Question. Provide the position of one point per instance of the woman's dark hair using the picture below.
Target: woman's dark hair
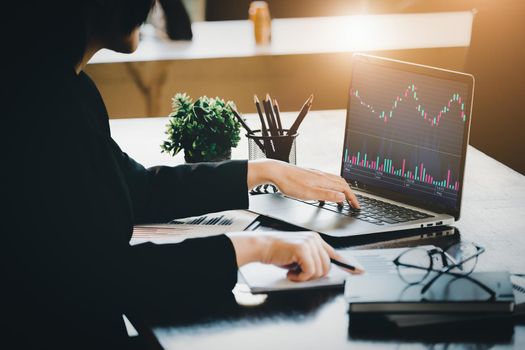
(112, 18)
(116, 15)
(58, 31)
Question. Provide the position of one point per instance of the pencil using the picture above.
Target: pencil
(302, 114)
(278, 116)
(243, 123)
(247, 128)
(264, 130)
(270, 109)
(269, 116)
(268, 146)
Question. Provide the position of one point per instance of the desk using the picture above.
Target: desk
(307, 55)
(307, 36)
(493, 207)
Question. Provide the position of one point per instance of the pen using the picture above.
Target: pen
(297, 268)
(344, 265)
(300, 117)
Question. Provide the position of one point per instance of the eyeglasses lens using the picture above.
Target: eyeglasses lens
(462, 252)
(413, 265)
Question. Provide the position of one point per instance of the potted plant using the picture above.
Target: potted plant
(206, 129)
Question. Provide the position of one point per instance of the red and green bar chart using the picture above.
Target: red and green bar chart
(418, 173)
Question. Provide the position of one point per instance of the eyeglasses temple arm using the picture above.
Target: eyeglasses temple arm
(448, 268)
(473, 280)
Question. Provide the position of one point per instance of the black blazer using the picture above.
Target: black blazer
(73, 197)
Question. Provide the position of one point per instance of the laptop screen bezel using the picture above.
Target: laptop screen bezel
(427, 204)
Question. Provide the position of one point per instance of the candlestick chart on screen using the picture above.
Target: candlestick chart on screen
(405, 132)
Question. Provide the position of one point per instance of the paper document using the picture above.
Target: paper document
(263, 278)
(197, 226)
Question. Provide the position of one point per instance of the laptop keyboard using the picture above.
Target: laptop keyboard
(373, 211)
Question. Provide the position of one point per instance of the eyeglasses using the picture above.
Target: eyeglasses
(458, 260)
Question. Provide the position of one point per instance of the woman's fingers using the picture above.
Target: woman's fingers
(301, 183)
(340, 184)
(324, 194)
(325, 259)
(351, 197)
(306, 263)
(334, 183)
(319, 259)
(333, 193)
(312, 258)
(305, 254)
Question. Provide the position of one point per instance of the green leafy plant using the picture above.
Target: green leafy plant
(205, 129)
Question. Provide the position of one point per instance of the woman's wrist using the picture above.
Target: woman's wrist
(261, 171)
(248, 247)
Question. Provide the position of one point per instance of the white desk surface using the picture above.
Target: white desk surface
(319, 143)
(307, 36)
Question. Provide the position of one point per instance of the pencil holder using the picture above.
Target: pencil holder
(281, 147)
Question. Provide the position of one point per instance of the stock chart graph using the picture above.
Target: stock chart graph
(405, 132)
(411, 92)
(419, 173)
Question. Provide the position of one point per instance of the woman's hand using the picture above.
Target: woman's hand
(300, 183)
(304, 254)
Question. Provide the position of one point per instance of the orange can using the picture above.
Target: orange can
(259, 14)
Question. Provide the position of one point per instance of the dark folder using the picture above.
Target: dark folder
(390, 294)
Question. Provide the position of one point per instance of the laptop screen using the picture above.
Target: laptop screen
(407, 132)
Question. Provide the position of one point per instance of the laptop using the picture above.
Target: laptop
(405, 143)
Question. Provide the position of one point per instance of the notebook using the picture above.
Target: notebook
(388, 293)
(262, 278)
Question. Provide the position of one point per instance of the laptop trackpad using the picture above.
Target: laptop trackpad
(301, 214)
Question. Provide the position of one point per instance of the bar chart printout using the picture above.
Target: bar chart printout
(405, 133)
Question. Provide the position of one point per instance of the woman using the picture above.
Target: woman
(77, 195)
